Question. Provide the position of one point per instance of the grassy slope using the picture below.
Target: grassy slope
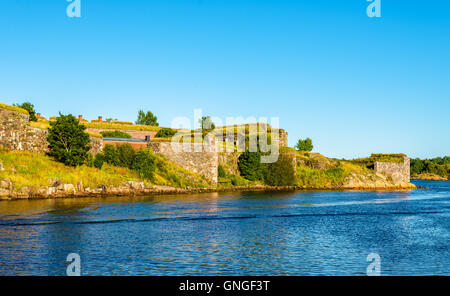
(313, 171)
(13, 108)
(103, 125)
(318, 171)
(35, 170)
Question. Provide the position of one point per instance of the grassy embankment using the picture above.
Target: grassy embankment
(35, 170)
(313, 170)
(13, 108)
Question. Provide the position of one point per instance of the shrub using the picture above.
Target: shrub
(282, 172)
(126, 155)
(110, 155)
(30, 109)
(147, 118)
(115, 134)
(304, 145)
(67, 140)
(144, 163)
(250, 166)
(165, 133)
(221, 171)
(99, 159)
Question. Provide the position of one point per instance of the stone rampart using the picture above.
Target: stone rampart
(399, 172)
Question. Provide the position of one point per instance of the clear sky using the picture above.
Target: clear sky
(353, 84)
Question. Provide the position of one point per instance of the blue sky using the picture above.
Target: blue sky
(353, 84)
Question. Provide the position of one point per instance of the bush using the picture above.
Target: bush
(115, 134)
(165, 133)
(221, 171)
(111, 155)
(125, 155)
(99, 159)
(282, 172)
(250, 166)
(67, 140)
(30, 109)
(144, 163)
(304, 145)
(95, 161)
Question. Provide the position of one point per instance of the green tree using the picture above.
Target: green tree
(282, 172)
(304, 145)
(111, 155)
(144, 163)
(250, 166)
(147, 118)
(126, 154)
(30, 108)
(206, 123)
(68, 142)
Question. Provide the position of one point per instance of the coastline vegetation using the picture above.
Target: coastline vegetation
(435, 168)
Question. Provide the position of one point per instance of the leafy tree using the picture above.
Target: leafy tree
(206, 123)
(68, 142)
(147, 118)
(126, 154)
(282, 172)
(417, 166)
(30, 108)
(304, 145)
(111, 155)
(250, 166)
(99, 159)
(165, 133)
(144, 163)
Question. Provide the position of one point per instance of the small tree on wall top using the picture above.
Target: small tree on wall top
(147, 118)
(68, 142)
(304, 145)
(30, 108)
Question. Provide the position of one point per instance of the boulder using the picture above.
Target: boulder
(80, 187)
(136, 185)
(26, 191)
(4, 193)
(55, 182)
(69, 188)
(5, 183)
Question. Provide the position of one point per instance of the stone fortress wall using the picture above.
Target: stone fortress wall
(17, 134)
(196, 157)
(398, 172)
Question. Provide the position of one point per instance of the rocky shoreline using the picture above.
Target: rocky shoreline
(429, 177)
(134, 188)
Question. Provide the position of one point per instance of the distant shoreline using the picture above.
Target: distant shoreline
(428, 177)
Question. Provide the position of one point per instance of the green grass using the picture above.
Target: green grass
(169, 174)
(105, 125)
(35, 170)
(370, 161)
(13, 108)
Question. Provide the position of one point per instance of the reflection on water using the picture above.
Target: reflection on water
(247, 233)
